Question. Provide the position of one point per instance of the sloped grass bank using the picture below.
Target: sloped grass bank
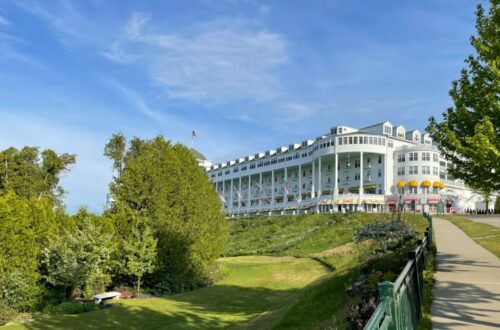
(301, 235)
(255, 293)
(280, 272)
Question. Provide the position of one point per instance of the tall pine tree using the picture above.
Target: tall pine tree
(162, 184)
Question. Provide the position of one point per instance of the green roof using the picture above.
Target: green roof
(197, 154)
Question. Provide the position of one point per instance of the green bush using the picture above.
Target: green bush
(68, 307)
(390, 235)
(7, 314)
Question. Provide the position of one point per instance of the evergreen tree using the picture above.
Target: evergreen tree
(29, 173)
(26, 226)
(162, 184)
(469, 135)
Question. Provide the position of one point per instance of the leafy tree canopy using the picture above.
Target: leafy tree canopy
(469, 135)
(31, 173)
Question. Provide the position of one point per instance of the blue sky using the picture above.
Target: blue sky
(246, 75)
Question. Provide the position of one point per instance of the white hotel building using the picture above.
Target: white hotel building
(367, 169)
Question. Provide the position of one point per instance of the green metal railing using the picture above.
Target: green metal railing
(400, 304)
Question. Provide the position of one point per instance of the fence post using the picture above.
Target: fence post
(413, 256)
(386, 292)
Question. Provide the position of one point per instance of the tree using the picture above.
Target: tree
(140, 253)
(115, 150)
(163, 184)
(497, 204)
(469, 135)
(26, 226)
(29, 173)
(80, 257)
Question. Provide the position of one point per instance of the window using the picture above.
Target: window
(401, 158)
(371, 140)
(345, 140)
(350, 139)
(356, 176)
(365, 140)
(379, 173)
(435, 171)
(356, 163)
(435, 158)
(426, 156)
(380, 159)
(426, 170)
(413, 170)
(355, 140)
(340, 141)
(413, 156)
(401, 170)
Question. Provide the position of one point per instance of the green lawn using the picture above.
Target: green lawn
(280, 272)
(255, 293)
(486, 235)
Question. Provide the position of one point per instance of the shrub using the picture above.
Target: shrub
(7, 314)
(68, 307)
(390, 235)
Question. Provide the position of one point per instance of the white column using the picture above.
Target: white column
(272, 187)
(217, 187)
(336, 176)
(249, 191)
(360, 177)
(239, 191)
(285, 181)
(319, 177)
(260, 189)
(300, 181)
(231, 195)
(312, 180)
(224, 193)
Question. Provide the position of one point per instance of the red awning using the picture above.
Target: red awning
(410, 199)
(433, 200)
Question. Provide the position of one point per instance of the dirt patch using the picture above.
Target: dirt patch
(343, 249)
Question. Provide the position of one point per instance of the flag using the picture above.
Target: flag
(287, 189)
(222, 199)
(193, 134)
(238, 195)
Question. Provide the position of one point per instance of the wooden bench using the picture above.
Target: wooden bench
(98, 298)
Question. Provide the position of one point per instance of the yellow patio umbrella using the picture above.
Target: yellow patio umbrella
(400, 184)
(413, 183)
(426, 183)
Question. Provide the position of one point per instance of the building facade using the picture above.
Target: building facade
(369, 169)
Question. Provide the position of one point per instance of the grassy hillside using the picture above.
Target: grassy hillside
(255, 293)
(301, 235)
(280, 272)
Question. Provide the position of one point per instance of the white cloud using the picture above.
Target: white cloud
(220, 61)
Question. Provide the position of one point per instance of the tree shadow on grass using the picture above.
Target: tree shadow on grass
(212, 307)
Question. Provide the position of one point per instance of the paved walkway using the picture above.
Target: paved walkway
(467, 289)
